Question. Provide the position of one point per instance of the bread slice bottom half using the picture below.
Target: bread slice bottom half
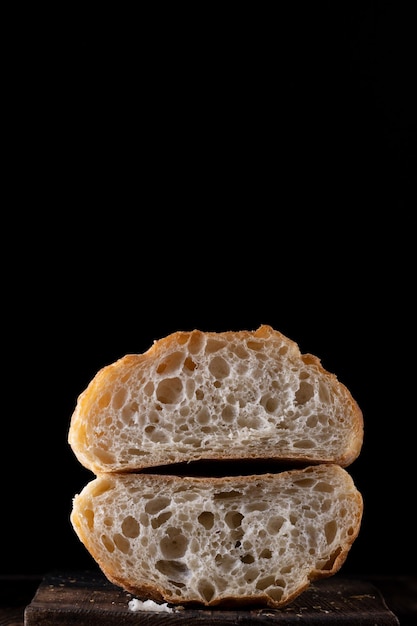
(219, 541)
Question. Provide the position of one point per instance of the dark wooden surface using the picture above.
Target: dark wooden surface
(87, 598)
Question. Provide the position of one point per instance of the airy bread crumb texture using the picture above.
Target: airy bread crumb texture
(204, 395)
(256, 539)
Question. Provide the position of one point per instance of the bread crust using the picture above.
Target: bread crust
(97, 407)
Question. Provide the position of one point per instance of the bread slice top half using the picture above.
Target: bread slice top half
(232, 395)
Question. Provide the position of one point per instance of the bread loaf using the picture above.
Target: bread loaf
(225, 541)
(205, 395)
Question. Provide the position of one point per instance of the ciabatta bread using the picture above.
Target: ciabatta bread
(257, 539)
(205, 395)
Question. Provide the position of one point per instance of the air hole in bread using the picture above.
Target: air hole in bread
(305, 482)
(157, 504)
(171, 364)
(270, 404)
(229, 413)
(275, 593)
(219, 367)
(104, 456)
(304, 393)
(104, 400)
(130, 527)
(192, 441)
(305, 444)
(107, 543)
(330, 530)
(89, 517)
(174, 543)
(189, 391)
(169, 390)
(119, 398)
(256, 506)
(189, 365)
(121, 543)
(239, 351)
(226, 495)
(324, 393)
(233, 519)
(274, 524)
(196, 342)
(189, 496)
(326, 505)
(213, 345)
(148, 389)
(265, 554)
(206, 590)
(206, 519)
(156, 434)
(251, 574)
(175, 570)
(324, 487)
(136, 452)
(324, 419)
(247, 558)
(154, 417)
(330, 563)
(183, 338)
(144, 519)
(225, 562)
(177, 584)
(254, 345)
(265, 582)
(161, 519)
(129, 414)
(312, 421)
(203, 416)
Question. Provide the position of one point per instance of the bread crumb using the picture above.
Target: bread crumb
(148, 605)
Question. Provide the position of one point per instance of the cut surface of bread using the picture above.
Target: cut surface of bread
(256, 539)
(205, 395)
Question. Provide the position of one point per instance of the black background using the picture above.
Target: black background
(176, 171)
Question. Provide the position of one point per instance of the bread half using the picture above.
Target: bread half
(203, 395)
(257, 539)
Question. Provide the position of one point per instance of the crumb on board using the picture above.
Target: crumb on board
(148, 605)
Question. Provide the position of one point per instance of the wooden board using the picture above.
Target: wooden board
(87, 598)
